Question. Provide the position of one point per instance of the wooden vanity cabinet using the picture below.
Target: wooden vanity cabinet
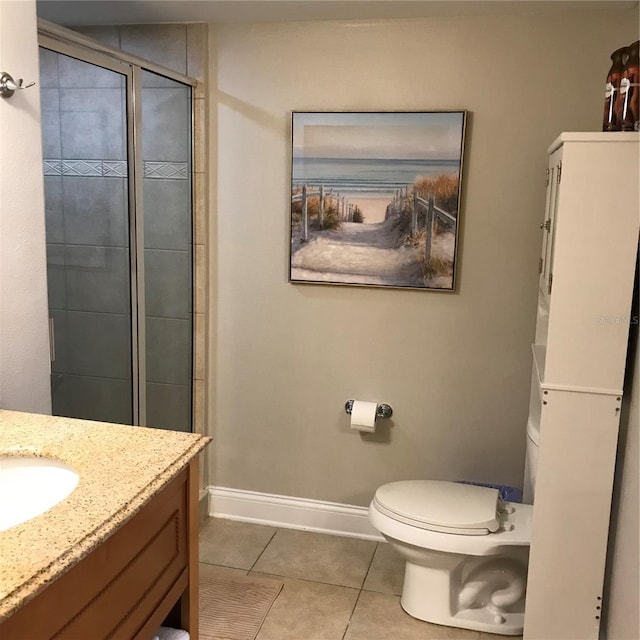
(125, 588)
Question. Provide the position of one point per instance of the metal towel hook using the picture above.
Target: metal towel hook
(8, 86)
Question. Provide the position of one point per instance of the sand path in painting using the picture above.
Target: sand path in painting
(358, 254)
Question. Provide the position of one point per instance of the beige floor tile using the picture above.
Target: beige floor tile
(386, 574)
(318, 557)
(495, 636)
(308, 611)
(233, 544)
(379, 616)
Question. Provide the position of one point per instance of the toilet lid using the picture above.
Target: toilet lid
(443, 506)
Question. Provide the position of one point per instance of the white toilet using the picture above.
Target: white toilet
(466, 550)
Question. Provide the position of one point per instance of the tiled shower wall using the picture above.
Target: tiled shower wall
(168, 255)
(182, 48)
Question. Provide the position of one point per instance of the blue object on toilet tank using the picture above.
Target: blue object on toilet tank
(508, 494)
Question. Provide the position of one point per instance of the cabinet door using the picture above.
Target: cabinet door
(554, 173)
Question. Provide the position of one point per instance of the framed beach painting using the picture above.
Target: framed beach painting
(375, 198)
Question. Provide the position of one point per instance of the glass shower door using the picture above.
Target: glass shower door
(166, 153)
(85, 149)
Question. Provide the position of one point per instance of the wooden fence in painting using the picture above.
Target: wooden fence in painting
(432, 212)
(344, 208)
(403, 199)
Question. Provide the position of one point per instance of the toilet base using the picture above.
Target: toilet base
(428, 595)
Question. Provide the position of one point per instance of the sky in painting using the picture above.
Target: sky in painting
(414, 135)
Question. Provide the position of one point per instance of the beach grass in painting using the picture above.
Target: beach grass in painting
(375, 198)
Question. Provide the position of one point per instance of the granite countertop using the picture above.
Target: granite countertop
(120, 467)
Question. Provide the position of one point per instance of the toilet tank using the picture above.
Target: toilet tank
(531, 461)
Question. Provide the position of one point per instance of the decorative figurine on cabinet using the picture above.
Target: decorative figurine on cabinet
(629, 86)
(612, 89)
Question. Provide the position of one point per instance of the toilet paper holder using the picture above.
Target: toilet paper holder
(383, 410)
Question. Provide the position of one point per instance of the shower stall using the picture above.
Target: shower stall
(117, 148)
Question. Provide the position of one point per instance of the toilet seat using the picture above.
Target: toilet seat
(445, 507)
(518, 534)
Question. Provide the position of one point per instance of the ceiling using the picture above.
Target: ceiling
(84, 12)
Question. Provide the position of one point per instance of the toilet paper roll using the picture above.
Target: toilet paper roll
(363, 416)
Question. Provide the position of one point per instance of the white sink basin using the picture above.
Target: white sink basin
(30, 486)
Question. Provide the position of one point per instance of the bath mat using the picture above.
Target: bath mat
(234, 608)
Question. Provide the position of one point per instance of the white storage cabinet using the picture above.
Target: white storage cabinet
(590, 241)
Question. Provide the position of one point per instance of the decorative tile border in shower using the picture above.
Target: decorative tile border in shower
(166, 170)
(114, 169)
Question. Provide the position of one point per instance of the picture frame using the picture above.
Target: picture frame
(375, 198)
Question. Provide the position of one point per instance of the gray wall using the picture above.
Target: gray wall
(455, 367)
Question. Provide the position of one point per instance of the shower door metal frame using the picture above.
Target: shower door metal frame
(57, 33)
(75, 45)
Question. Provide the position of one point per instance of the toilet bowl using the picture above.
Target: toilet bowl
(466, 552)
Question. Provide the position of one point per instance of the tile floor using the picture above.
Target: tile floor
(335, 588)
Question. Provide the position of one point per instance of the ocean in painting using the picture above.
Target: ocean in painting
(366, 177)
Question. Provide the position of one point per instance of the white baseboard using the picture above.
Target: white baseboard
(291, 513)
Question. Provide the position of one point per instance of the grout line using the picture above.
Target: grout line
(281, 588)
(186, 53)
(355, 604)
(285, 577)
(369, 567)
(95, 377)
(263, 550)
(222, 566)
